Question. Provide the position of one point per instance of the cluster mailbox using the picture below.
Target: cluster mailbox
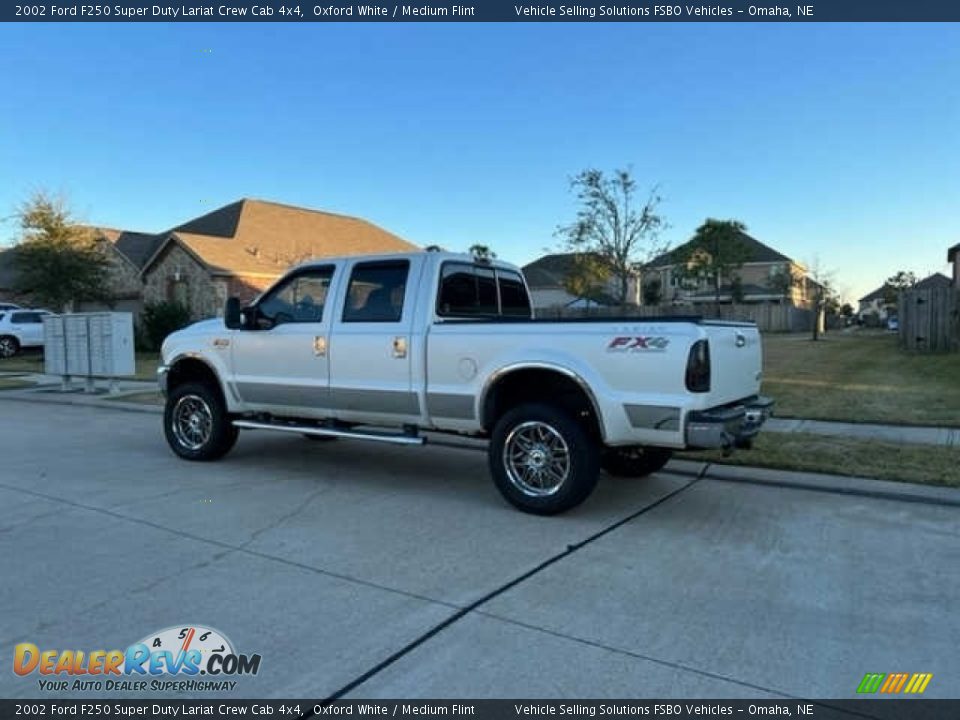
(89, 345)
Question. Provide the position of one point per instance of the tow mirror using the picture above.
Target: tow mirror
(231, 313)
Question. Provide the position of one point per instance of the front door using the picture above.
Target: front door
(279, 356)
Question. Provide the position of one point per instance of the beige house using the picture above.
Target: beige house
(760, 278)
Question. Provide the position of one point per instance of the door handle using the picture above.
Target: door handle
(399, 347)
(320, 346)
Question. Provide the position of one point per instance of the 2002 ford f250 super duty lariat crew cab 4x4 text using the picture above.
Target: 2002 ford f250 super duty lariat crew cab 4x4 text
(385, 347)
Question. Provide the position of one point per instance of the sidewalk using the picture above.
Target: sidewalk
(48, 390)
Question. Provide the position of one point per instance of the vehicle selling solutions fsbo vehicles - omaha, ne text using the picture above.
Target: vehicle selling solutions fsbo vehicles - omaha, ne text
(384, 347)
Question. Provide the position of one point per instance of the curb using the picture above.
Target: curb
(816, 482)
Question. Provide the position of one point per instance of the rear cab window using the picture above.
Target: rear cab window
(481, 291)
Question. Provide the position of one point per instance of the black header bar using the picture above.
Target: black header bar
(487, 11)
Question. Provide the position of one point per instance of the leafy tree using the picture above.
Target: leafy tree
(481, 252)
(715, 252)
(846, 310)
(57, 261)
(588, 276)
(609, 224)
(896, 284)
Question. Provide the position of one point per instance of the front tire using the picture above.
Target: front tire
(196, 423)
(543, 461)
(9, 346)
(634, 462)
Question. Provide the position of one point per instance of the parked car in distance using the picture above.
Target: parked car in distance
(893, 324)
(20, 329)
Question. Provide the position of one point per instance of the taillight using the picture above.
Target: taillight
(698, 367)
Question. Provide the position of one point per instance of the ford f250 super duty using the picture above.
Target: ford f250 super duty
(384, 348)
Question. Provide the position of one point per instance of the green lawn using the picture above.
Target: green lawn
(925, 464)
(31, 361)
(860, 376)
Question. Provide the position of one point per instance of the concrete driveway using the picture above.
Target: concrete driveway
(374, 571)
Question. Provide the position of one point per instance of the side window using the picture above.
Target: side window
(513, 295)
(467, 290)
(300, 299)
(25, 317)
(376, 291)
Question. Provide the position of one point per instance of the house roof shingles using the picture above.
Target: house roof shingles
(756, 252)
(259, 237)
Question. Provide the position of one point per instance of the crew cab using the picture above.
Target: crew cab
(385, 348)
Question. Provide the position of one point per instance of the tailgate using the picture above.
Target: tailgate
(736, 361)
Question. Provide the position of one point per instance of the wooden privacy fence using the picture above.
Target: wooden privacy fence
(768, 317)
(930, 320)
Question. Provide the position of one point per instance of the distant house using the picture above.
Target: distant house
(883, 301)
(548, 279)
(876, 303)
(758, 278)
(937, 281)
(238, 249)
(953, 256)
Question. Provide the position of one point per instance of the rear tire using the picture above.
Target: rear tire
(636, 461)
(9, 346)
(196, 423)
(543, 461)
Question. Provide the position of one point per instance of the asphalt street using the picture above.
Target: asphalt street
(364, 570)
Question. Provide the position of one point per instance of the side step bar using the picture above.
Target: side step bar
(396, 439)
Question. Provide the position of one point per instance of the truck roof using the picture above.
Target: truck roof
(440, 254)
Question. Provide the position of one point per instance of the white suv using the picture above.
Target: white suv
(19, 329)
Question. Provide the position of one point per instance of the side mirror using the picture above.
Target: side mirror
(231, 313)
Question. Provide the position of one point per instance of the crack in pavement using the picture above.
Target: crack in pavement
(464, 611)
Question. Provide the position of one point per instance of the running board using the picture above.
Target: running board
(396, 439)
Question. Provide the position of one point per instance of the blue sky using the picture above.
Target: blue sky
(829, 141)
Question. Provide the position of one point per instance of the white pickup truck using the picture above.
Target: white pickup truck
(383, 348)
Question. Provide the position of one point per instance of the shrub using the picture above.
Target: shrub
(160, 319)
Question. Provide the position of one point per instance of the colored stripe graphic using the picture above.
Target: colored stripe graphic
(918, 683)
(894, 683)
(871, 682)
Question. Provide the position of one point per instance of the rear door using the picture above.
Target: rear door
(372, 343)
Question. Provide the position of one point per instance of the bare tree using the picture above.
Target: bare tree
(824, 294)
(609, 224)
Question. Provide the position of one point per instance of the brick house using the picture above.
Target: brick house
(243, 247)
(238, 249)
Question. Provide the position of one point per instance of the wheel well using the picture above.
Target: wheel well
(540, 385)
(191, 370)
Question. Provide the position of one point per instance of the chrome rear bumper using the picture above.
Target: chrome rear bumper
(730, 426)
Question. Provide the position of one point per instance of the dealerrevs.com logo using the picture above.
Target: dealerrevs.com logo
(185, 653)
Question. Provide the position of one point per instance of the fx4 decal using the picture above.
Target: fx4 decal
(638, 344)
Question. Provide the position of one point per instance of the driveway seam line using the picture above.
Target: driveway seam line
(466, 610)
(229, 547)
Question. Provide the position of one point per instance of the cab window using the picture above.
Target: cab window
(377, 291)
(299, 299)
(467, 290)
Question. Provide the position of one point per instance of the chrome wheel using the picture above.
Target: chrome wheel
(536, 458)
(192, 422)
